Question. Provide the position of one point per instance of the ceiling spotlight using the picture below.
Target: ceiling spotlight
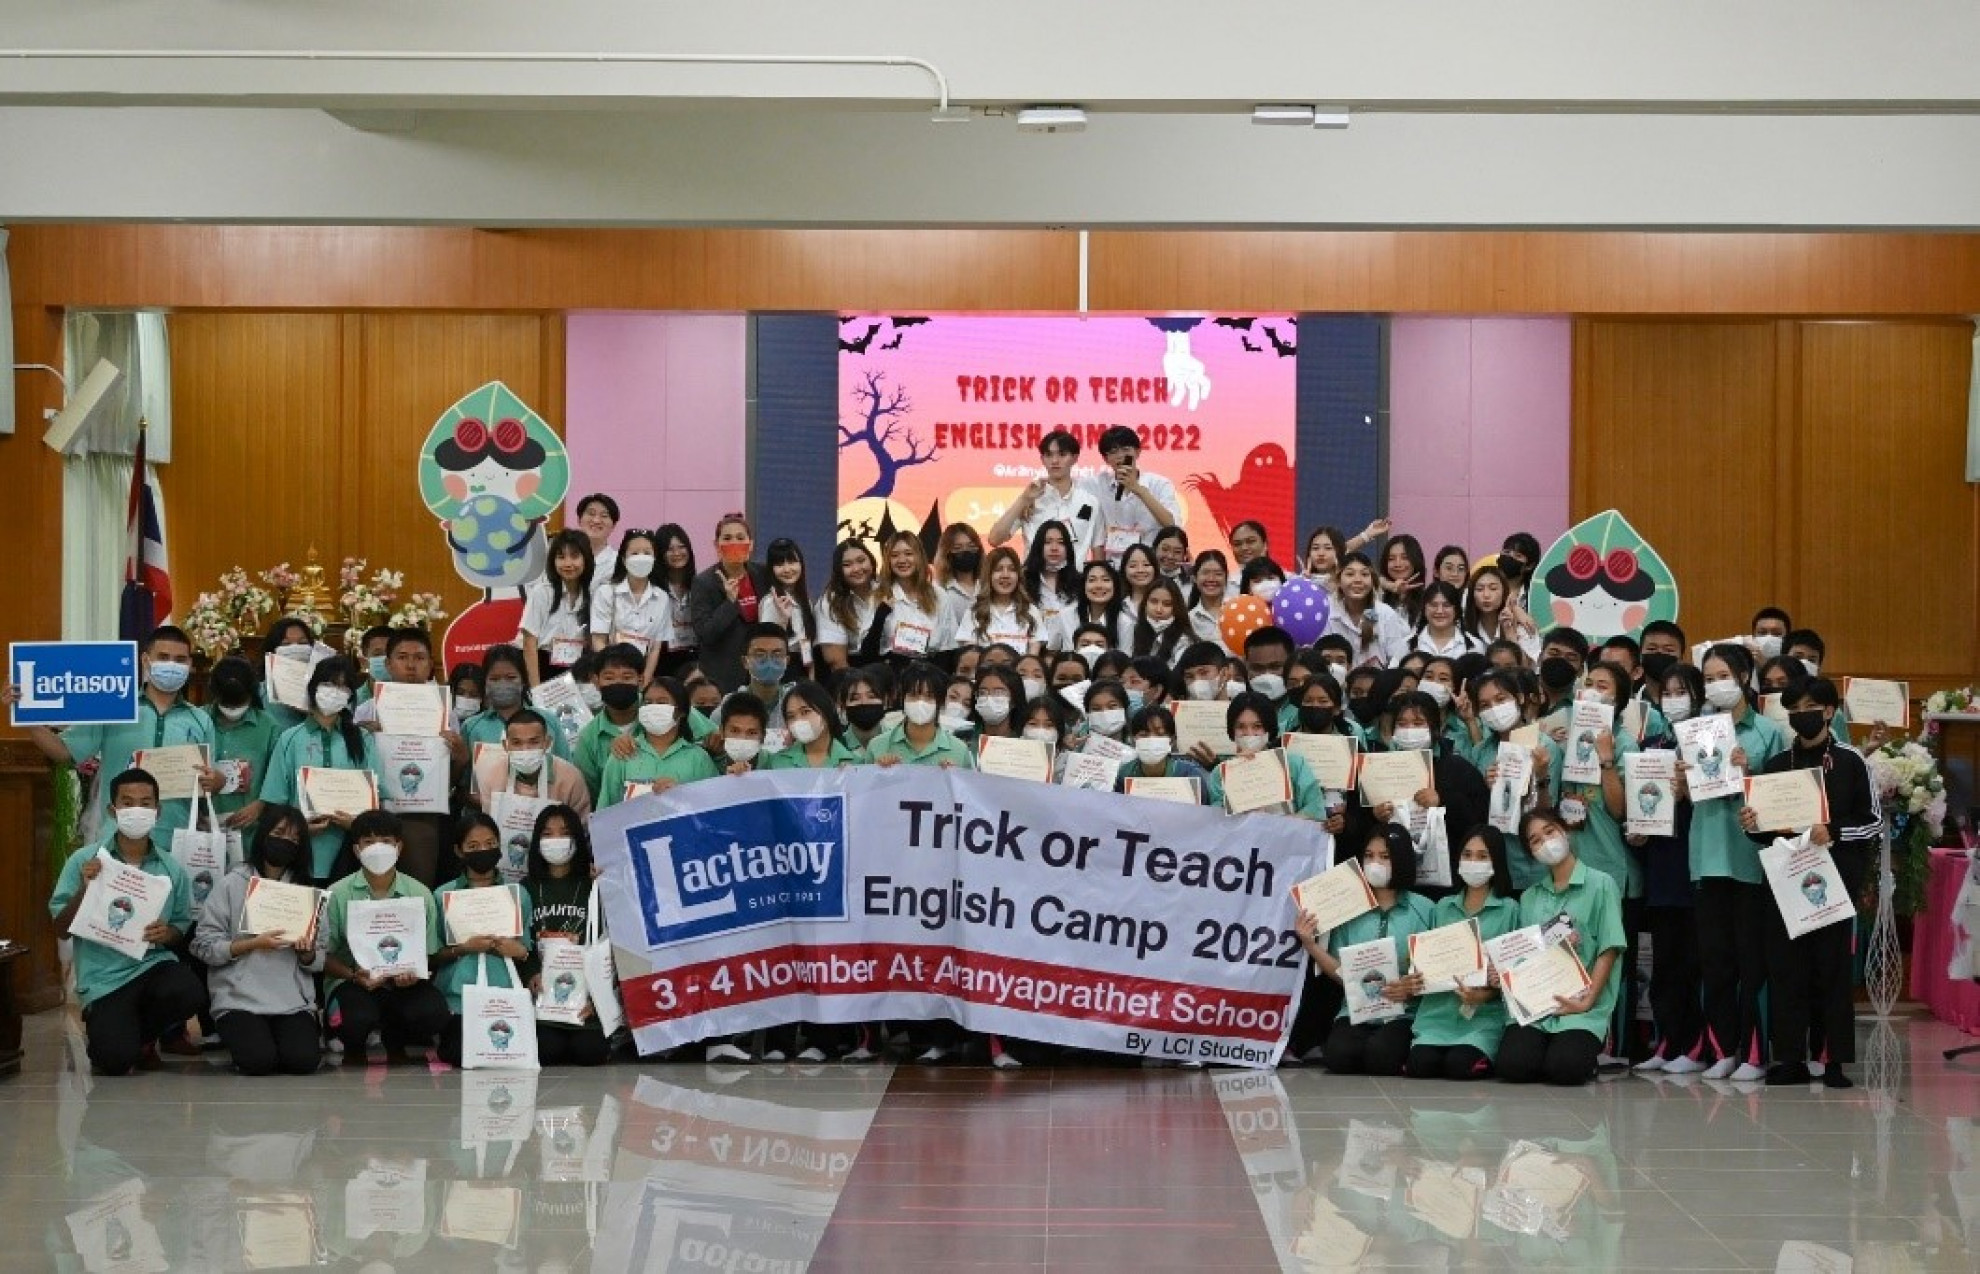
(1051, 119)
(1299, 116)
(1330, 117)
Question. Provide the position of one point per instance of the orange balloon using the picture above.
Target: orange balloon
(1242, 617)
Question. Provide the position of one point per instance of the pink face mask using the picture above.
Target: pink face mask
(734, 551)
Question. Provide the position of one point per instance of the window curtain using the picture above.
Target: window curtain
(7, 421)
(96, 478)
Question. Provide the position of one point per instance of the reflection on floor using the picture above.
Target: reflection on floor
(675, 1167)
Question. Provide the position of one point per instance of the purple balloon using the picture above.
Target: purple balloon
(1301, 608)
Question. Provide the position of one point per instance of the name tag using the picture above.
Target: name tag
(1010, 637)
(912, 639)
(1121, 539)
(632, 639)
(565, 651)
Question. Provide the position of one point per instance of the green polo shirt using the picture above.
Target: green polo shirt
(683, 762)
(594, 749)
(1410, 913)
(943, 747)
(115, 745)
(99, 969)
(451, 976)
(1308, 800)
(1593, 901)
(1599, 841)
(1719, 845)
(251, 740)
(794, 758)
(491, 727)
(1440, 1019)
(311, 745)
(337, 902)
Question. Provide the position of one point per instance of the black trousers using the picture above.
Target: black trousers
(1811, 991)
(572, 1046)
(262, 1044)
(120, 1024)
(403, 1015)
(1732, 960)
(1674, 979)
(1319, 1005)
(1457, 1061)
(1529, 1055)
(1373, 1048)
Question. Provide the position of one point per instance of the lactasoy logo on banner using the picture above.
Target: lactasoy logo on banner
(740, 867)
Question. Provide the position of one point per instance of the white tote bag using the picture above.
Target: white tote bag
(563, 997)
(203, 853)
(498, 1024)
(601, 979)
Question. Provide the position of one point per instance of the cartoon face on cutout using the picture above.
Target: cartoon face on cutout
(1815, 889)
(490, 443)
(1603, 579)
(500, 1033)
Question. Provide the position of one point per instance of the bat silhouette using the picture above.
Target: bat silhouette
(859, 344)
(1246, 342)
(911, 321)
(1242, 324)
(893, 344)
(1286, 348)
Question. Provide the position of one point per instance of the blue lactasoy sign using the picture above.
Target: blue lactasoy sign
(74, 682)
(740, 867)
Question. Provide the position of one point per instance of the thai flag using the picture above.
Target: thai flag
(147, 596)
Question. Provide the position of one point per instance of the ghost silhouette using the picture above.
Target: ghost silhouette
(1262, 492)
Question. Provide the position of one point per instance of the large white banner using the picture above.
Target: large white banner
(1020, 909)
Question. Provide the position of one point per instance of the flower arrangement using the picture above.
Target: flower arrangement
(422, 610)
(367, 600)
(217, 621)
(1951, 702)
(281, 578)
(1913, 794)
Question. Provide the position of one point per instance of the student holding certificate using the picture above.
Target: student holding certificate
(1154, 754)
(1318, 705)
(1388, 864)
(262, 977)
(562, 893)
(244, 734)
(128, 1002)
(409, 662)
(1734, 907)
(661, 751)
(478, 846)
(526, 765)
(1454, 784)
(327, 739)
(405, 1008)
(1253, 723)
(1446, 1042)
(1670, 911)
(1811, 1013)
(1562, 1047)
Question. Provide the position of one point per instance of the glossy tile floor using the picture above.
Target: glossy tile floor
(686, 1167)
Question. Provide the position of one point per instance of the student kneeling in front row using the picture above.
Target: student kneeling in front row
(406, 1009)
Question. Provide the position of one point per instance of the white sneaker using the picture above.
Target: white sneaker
(1610, 1062)
(932, 1054)
(1721, 1068)
(813, 1054)
(1005, 1062)
(725, 1053)
(860, 1054)
(773, 1054)
(1683, 1066)
(1817, 1069)
(1747, 1072)
(1654, 1062)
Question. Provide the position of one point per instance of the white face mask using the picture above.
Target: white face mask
(1107, 721)
(1677, 707)
(233, 714)
(743, 750)
(1552, 851)
(1378, 875)
(556, 850)
(1473, 872)
(1232, 689)
(526, 760)
(656, 718)
(919, 711)
(593, 698)
(1593, 695)
(466, 705)
(1440, 694)
(1160, 625)
(1339, 671)
(379, 857)
(1814, 668)
(136, 821)
(1153, 750)
(1412, 737)
(1501, 716)
(1269, 684)
(1203, 688)
(298, 651)
(1041, 734)
(994, 709)
(1265, 589)
(1723, 694)
(1249, 743)
(1770, 645)
(1034, 688)
(331, 700)
(806, 729)
(639, 565)
(1090, 653)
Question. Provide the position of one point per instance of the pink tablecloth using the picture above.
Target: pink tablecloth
(1957, 1003)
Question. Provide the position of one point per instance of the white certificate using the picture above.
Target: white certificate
(416, 709)
(1508, 949)
(176, 768)
(1808, 890)
(387, 936)
(278, 1229)
(560, 700)
(1580, 762)
(1707, 745)
(481, 1212)
(1878, 702)
(1532, 985)
(326, 791)
(1027, 759)
(1258, 782)
(1511, 781)
(273, 906)
(1525, 736)
(119, 905)
(491, 912)
(1202, 721)
(1367, 967)
(1393, 778)
(1793, 801)
(1091, 771)
(287, 680)
(1180, 791)
(418, 772)
(1112, 749)
(1331, 757)
(1447, 955)
(1335, 896)
(386, 1198)
(1650, 793)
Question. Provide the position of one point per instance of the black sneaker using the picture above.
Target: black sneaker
(1833, 1077)
(1784, 1073)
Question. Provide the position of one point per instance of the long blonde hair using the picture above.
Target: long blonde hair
(1020, 599)
(918, 588)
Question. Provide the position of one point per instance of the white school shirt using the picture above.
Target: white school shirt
(1461, 643)
(1128, 520)
(1391, 629)
(603, 563)
(912, 632)
(551, 628)
(957, 602)
(682, 620)
(1004, 626)
(832, 633)
(1208, 627)
(1530, 643)
(648, 618)
(1078, 511)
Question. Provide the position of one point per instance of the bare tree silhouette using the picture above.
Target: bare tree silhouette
(884, 410)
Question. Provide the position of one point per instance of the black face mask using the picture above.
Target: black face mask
(966, 561)
(1365, 709)
(482, 861)
(1807, 724)
(280, 852)
(619, 696)
(1658, 666)
(1556, 673)
(1316, 720)
(864, 716)
(1512, 568)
